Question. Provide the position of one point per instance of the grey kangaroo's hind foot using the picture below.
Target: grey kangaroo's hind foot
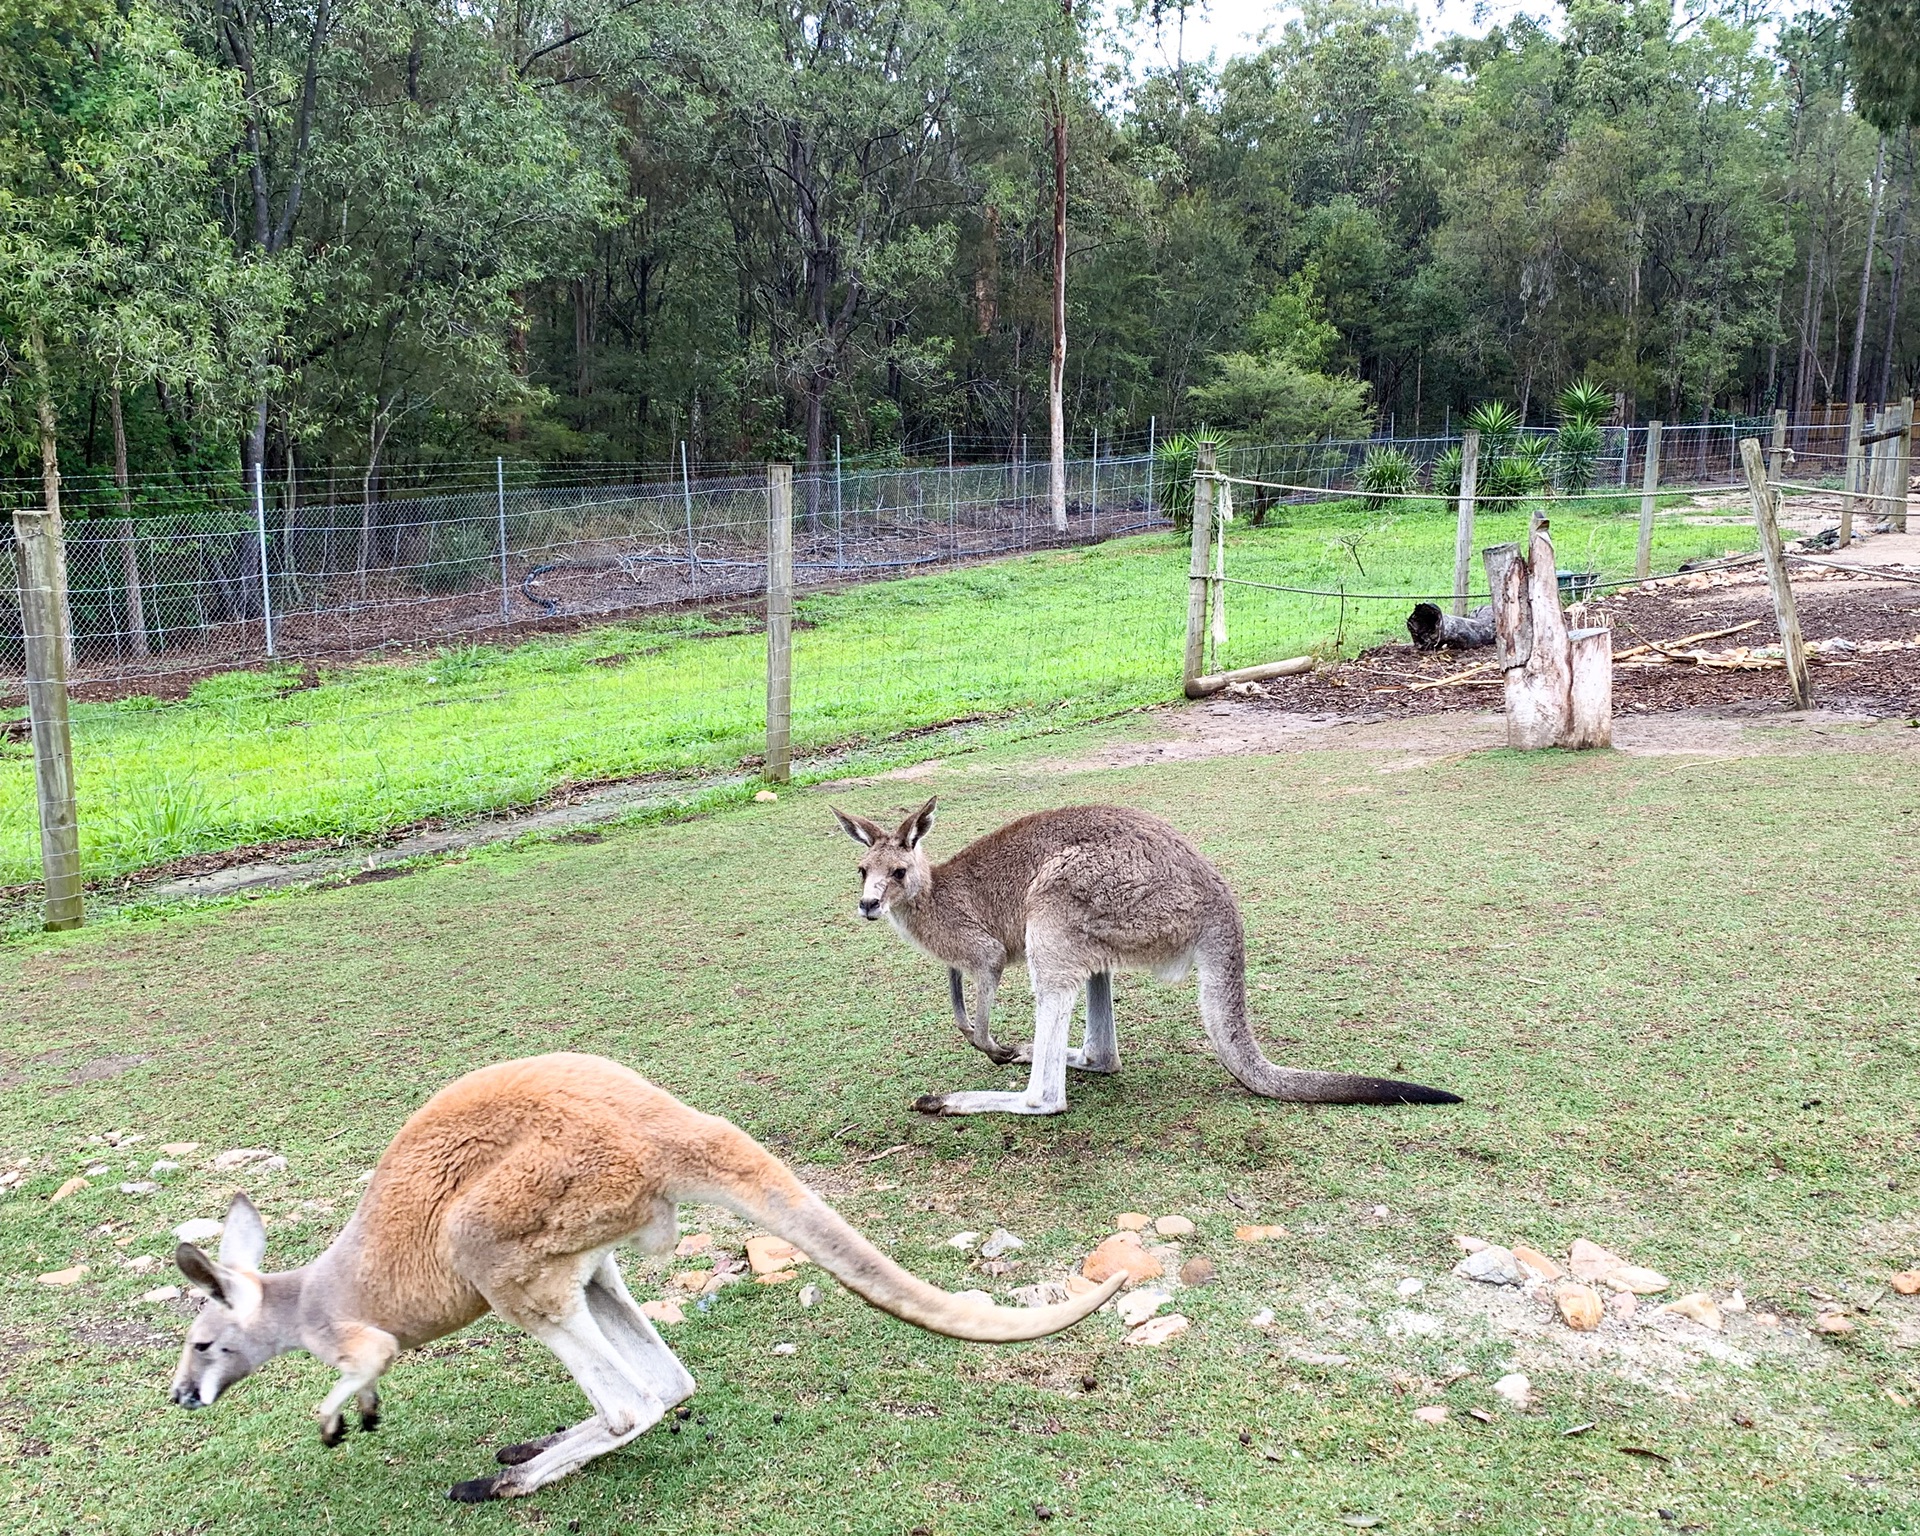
(1100, 1050)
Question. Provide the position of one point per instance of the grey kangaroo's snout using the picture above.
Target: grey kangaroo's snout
(186, 1395)
(869, 908)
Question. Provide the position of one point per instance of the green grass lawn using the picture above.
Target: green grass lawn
(279, 752)
(1677, 994)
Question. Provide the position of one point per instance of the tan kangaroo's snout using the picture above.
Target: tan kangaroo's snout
(235, 1333)
(895, 867)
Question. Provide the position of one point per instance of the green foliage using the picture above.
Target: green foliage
(1576, 452)
(1174, 460)
(1584, 403)
(1387, 472)
(1883, 43)
(1270, 399)
(1496, 422)
(1448, 467)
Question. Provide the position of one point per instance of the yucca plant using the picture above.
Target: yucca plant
(1584, 403)
(1495, 421)
(1387, 472)
(1174, 462)
(1447, 469)
(1519, 472)
(1583, 406)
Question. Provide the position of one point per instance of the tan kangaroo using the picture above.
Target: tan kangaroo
(508, 1191)
(1080, 893)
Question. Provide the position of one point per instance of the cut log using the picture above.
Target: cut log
(1430, 629)
(1591, 688)
(1213, 682)
(1531, 634)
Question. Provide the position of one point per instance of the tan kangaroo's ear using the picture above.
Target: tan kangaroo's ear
(857, 827)
(918, 825)
(201, 1270)
(243, 1243)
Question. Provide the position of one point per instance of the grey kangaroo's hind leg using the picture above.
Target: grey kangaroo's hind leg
(977, 1026)
(1100, 1050)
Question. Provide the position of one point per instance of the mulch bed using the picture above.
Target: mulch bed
(1851, 605)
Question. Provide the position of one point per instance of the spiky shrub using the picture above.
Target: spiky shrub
(1387, 472)
(1495, 421)
(1173, 466)
(1519, 472)
(1584, 403)
(1448, 466)
(1576, 453)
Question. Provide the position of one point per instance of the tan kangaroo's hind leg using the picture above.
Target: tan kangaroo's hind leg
(623, 1407)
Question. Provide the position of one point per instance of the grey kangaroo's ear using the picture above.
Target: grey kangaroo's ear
(243, 1243)
(917, 826)
(201, 1270)
(857, 827)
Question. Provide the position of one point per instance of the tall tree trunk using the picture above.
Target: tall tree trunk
(1893, 285)
(129, 548)
(50, 469)
(1866, 273)
(1057, 371)
(816, 411)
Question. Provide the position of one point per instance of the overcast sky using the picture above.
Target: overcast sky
(1233, 26)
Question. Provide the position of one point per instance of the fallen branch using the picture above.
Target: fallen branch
(1664, 646)
(1213, 682)
(1455, 677)
(874, 1157)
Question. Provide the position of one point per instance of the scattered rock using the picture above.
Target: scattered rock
(1379, 1213)
(1735, 1302)
(785, 1349)
(1258, 1234)
(1173, 1226)
(1363, 1522)
(181, 1148)
(98, 1170)
(1409, 1287)
(1490, 1265)
(1433, 1413)
(691, 1244)
(1158, 1330)
(1078, 1284)
(139, 1187)
(1131, 1221)
(765, 796)
(1699, 1308)
(164, 1165)
(778, 1277)
(11, 1180)
(1536, 1264)
(720, 1279)
(1469, 1244)
(690, 1279)
(1514, 1388)
(146, 1264)
(200, 1230)
(64, 1276)
(1412, 1325)
(1905, 1283)
(663, 1311)
(73, 1186)
(1833, 1324)
(769, 1255)
(1317, 1357)
(1261, 1319)
(1121, 1254)
(161, 1293)
(966, 1242)
(1045, 1293)
(1642, 1282)
(981, 1298)
(1590, 1262)
(260, 1159)
(1579, 1306)
(1135, 1307)
(1197, 1271)
(809, 1295)
(999, 1243)
(1621, 1306)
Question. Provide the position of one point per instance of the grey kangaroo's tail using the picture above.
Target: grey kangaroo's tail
(1221, 962)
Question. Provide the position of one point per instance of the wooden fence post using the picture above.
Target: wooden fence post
(41, 553)
(1649, 483)
(1856, 427)
(779, 622)
(1195, 662)
(1903, 468)
(1463, 529)
(1777, 448)
(1786, 619)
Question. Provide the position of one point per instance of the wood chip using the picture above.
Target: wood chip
(1258, 1234)
(64, 1276)
(663, 1311)
(768, 1254)
(73, 1186)
(1906, 1282)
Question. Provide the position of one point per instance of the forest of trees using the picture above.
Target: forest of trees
(402, 232)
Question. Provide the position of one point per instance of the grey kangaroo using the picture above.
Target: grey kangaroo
(1080, 893)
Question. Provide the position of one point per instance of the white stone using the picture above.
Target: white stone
(1410, 1287)
(201, 1229)
(161, 1293)
(164, 1165)
(1514, 1388)
(245, 1157)
(1135, 1307)
(1413, 1325)
(1261, 1319)
(966, 1242)
(809, 1295)
(139, 1187)
(785, 1349)
(1492, 1265)
(1000, 1241)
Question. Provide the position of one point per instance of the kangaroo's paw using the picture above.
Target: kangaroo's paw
(477, 1490)
(333, 1430)
(1021, 1052)
(526, 1450)
(369, 1406)
(984, 1104)
(1080, 1061)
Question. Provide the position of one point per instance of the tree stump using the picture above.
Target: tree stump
(1530, 633)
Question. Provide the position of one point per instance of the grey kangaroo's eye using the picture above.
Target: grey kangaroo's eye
(899, 874)
(204, 1345)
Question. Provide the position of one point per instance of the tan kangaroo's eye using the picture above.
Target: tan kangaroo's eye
(899, 874)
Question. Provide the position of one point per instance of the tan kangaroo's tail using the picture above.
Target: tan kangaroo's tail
(772, 1196)
(1221, 961)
